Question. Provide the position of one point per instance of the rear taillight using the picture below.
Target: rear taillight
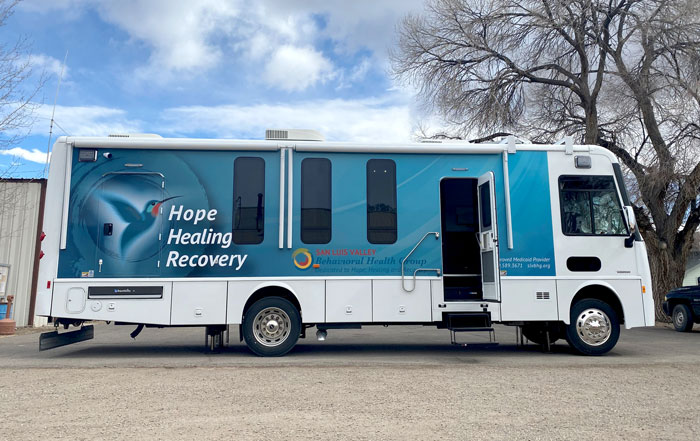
(41, 239)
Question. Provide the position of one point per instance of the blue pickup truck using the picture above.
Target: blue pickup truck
(683, 305)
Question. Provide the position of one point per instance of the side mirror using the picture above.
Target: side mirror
(632, 222)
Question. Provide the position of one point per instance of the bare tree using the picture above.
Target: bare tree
(18, 89)
(624, 74)
(17, 92)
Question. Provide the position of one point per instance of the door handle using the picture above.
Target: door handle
(107, 229)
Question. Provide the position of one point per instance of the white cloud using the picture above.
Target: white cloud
(359, 72)
(178, 31)
(47, 64)
(192, 36)
(366, 120)
(85, 121)
(32, 155)
(296, 68)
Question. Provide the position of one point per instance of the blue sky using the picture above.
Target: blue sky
(214, 69)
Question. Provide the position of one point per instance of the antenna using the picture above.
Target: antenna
(53, 112)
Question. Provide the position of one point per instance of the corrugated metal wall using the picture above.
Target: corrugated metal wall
(19, 215)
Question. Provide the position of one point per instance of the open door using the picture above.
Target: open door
(488, 238)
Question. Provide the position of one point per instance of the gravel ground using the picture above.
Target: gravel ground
(365, 386)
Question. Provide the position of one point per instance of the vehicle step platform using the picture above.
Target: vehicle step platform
(492, 336)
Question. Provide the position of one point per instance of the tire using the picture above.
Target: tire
(271, 327)
(594, 327)
(537, 333)
(682, 318)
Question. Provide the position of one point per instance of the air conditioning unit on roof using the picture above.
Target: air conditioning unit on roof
(293, 135)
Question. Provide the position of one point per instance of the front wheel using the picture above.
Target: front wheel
(594, 327)
(271, 327)
(682, 318)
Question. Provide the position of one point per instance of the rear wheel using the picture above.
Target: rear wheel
(682, 318)
(594, 327)
(271, 327)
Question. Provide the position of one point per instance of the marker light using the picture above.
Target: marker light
(43, 235)
(644, 289)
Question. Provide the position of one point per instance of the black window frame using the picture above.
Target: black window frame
(590, 191)
(395, 203)
(233, 213)
(329, 185)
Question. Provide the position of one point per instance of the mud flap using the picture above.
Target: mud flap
(50, 340)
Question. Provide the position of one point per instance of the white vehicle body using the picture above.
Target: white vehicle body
(358, 264)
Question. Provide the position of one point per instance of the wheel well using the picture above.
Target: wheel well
(272, 291)
(674, 302)
(603, 294)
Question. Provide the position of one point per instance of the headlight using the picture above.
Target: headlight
(665, 298)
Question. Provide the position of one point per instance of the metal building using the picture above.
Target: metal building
(21, 215)
(692, 268)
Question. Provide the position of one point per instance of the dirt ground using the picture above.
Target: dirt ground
(396, 383)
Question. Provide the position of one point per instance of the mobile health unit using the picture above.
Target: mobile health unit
(283, 234)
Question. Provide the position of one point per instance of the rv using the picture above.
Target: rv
(279, 235)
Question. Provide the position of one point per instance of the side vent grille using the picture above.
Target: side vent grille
(542, 295)
(276, 134)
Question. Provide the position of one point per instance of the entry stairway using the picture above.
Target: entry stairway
(471, 322)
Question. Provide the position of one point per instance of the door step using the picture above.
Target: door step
(471, 322)
(492, 337)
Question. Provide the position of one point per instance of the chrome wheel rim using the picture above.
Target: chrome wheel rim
(271, 327)
(593, 327)
(679, 319)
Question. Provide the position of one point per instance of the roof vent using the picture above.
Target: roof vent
(293, 135)
(134, 135)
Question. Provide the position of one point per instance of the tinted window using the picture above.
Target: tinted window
(381, 201)
(589, 264)
(485, 200)
(248, 200)
(590, 206)
(315, 200)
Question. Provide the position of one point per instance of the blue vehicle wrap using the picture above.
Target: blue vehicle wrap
(168, 213)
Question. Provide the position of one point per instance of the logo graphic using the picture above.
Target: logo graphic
(302, 258)
(137, 221)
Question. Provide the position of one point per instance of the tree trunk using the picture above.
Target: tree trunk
(591, 135)
(667, 271)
